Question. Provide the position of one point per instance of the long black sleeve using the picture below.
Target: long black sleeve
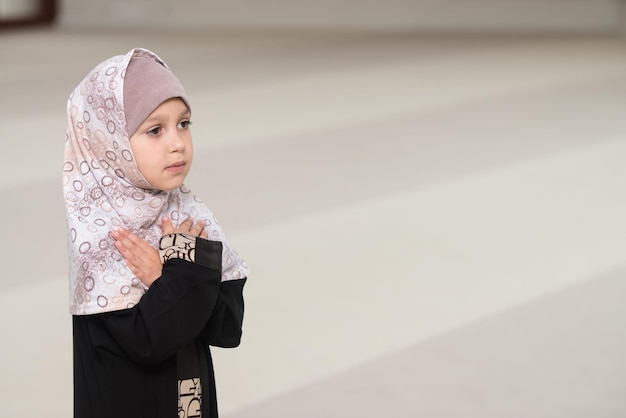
(223, 329)
(172, 313)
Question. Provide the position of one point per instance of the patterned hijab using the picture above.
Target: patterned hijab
(104, 191)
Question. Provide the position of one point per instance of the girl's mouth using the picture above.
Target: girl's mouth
(176, 168)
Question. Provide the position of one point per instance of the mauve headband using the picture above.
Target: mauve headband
(147, 84)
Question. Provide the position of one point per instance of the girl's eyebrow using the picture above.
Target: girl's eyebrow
(153, 118)
(159, 118)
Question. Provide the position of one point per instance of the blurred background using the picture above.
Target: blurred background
(430, 195)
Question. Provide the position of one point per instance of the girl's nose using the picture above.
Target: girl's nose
(176, 142)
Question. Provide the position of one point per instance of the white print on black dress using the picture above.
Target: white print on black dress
(189, 398)
(181, 246)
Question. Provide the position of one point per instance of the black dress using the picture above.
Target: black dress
(147, 361)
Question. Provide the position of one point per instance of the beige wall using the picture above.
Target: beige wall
(12, 9)
(544, 15)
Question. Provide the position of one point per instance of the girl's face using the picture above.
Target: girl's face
(162, 145)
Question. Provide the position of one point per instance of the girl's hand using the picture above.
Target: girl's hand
(187, 227)
(142, 260)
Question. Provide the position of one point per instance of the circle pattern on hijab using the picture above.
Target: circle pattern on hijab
(104, 190)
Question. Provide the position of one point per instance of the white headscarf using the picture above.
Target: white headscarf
(104, 191)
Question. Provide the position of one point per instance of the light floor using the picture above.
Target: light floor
(435, 224)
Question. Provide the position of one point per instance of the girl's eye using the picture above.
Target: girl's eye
(184, 124)
(155, 131)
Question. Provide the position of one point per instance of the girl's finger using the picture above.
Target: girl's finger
(186, 225)
(197, 228)
(166, 225)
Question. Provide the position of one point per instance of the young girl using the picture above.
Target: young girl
(153, 282)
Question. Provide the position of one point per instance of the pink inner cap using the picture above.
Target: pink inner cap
(147, 84)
